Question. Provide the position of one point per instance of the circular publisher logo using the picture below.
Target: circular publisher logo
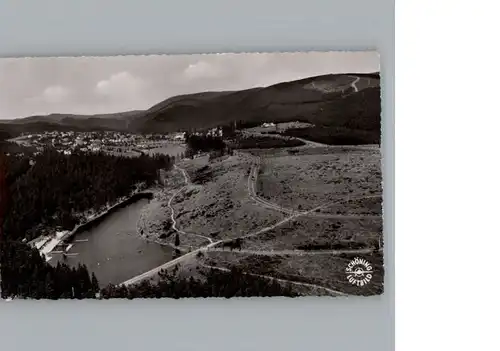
(359, 271)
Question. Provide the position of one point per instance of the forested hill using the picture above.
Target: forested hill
(68, 122)
(52, 190)
(317, 100)
(328, 100)
(56, 188)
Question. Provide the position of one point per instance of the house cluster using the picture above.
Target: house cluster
(181, 136)
(268, 125)
(69, 142)
(214, 132)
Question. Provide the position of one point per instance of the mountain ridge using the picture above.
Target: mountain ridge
(309, 99)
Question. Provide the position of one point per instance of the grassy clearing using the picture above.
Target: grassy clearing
(191, 165)
(371, 206)
(155, 220)
(318, 233)
(328, 86)
(168, 149)
(219, 206)
(322, 270)
(330, 271)
(305, 180)
(121, 151)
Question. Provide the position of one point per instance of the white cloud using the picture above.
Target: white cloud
(55, 94)
(120, 85)
(201, 69)
(90, 85)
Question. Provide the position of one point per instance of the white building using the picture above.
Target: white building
(180, 136)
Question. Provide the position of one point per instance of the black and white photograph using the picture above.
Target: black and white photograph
(191, 176)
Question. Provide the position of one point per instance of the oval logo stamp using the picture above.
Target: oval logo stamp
(359, 271)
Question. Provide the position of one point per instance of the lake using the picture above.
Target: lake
(113, 250)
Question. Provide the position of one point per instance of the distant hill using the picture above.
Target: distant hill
(112, 121)
(302, 99)
(329, 100)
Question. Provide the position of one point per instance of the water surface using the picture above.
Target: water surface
(113, 250)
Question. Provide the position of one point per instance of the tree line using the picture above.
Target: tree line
(215, 145)
(203, 143)
(56, 189)
(265, 142)
(50, 191)
(354, 119)
(217, 283)
(25, 274)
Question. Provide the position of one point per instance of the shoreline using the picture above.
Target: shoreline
(45, 245)
(153, 215)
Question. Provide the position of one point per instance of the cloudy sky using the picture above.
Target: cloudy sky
(91, 85)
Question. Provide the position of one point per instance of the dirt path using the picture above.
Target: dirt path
(251, 188)
(167, 265)
(295, 252)
(287, 219)
(314, 286)
(353, 84)
(184, 173)
(182, 258)
(309, 143)
(172, 211)
(251, 184)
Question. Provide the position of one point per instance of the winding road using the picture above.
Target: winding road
(167, 265)
(251, 187)
(182, 258)
(252, 178)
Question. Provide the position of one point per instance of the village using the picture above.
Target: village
(69, 142)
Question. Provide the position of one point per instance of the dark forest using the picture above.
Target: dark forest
(53, 190)
(50, 191)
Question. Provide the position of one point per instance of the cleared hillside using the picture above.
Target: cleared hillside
(318, 100)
